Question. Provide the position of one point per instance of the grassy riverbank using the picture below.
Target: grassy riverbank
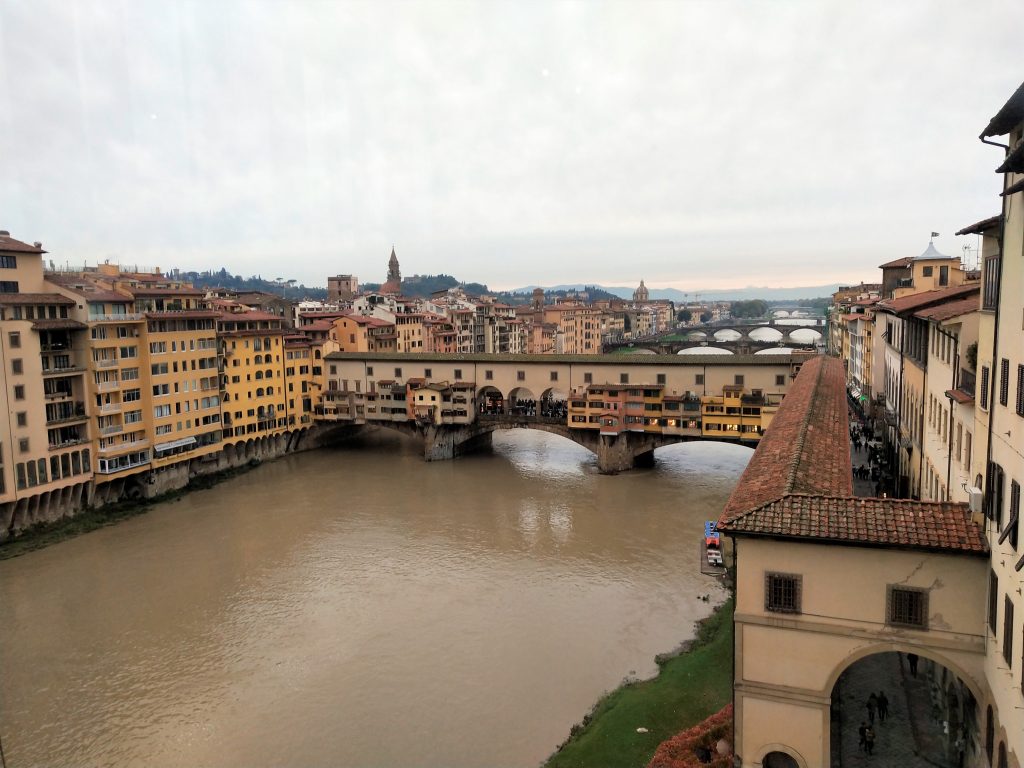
(689, 687)
(45, 534)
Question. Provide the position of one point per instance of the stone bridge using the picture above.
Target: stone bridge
(477, 394)
(615, 453)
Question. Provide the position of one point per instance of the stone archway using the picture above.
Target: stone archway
(522, 401)
(780, 759)
(490, 400)
(904, 706)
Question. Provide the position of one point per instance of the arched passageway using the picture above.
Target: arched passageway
(779, 759)
(490, 401)
(899, 708)
(522, 401)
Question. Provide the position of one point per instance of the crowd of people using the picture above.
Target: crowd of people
(546, 408)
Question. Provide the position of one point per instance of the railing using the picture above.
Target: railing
(64, 370)
(67, 444)
(967, 382)
(515, 418)
(110, 362)
(111, 408)
(57, 395)
(113, 429)
(130, 316)
(107, 386)
(133, 445)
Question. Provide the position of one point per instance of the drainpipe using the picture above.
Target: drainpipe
(995, 329)
(955, 383)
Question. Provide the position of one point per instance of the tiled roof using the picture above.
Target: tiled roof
(616, 360)
(960, 396)
(1007, 118)
(950, 310)
(798, 484)
(1019, 186)
(58, 324)
(906, 261)
(917, 301)
(904, 523)
(195, 314)
(10, 245)
(143, 292)
(35, 298)
(806, 448)
(984, 225)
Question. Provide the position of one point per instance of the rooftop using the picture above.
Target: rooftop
(951, 309)
(9, 245)
(906, 261)
(980, 227)
(1007, 118)
(917, 301)
(798, 486)
(617, 360)
(35, 298)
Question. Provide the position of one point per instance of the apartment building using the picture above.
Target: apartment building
(252, 379)
(46, 453)
(1001, 396)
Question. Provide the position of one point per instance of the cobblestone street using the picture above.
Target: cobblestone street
(909, 736)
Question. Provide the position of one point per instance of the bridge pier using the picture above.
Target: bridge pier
(444, 442)
(623, 452)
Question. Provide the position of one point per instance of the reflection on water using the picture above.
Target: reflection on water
(359, 606)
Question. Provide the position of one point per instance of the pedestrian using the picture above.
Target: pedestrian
(883, 707)
(869, 740)
(912, 660)
(959, 747)
(862, 731)
(872, 705)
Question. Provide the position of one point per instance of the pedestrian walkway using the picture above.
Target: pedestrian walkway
(909, 737)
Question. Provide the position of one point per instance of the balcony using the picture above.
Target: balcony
(967, 382)
(122, 318)
(108, 386)
(113, 429)
(66, 414)
(67, 444)
(62, 371)
(61, 395)
(110, 408)
(134, 445)
(109, 362)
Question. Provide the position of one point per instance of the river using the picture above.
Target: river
(357, 606)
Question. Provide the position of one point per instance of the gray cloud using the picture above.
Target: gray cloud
(693, 143)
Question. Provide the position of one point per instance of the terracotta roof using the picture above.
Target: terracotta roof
(1013, 188)
(248, 315)
(35, 298)
(903, 523)
(196, 314)
(979, 227)
(906, 261)
(959, 396)
(917, 301)
(10, 245)
(1007, 118)
(143, 292)
(951, 309)
(1014, 162)
(806, 448)
(319, 325)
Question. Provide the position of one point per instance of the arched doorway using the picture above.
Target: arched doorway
(902, 706)
(490, 401)
(779, 760)
(554, 404)
(522, 402)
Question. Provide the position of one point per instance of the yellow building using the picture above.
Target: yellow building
(252, 378)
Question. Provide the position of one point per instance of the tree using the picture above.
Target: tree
(684, 316)
(705, 317)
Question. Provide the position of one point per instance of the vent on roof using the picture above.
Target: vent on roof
(5, 232)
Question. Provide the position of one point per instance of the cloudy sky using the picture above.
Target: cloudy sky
(692, 144)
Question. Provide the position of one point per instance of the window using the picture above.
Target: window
(699, 379)
(489, 375)
(907, 606)
(22, 418)
(993, 597)
(782, 592)
(1008, 630)
(1020, 389)
(520, 375)
(428, 373)
(1004, 381)
(623, 378)
(19, 391)
(8, 262)
(23, 445)
(554, 375)
(994, 493)
(161, 411)
(588, 378)
(926, 271)
(943, 275)
(661, 378)
(1010, 531)
(984, 387)
(14, 339)
(739, 380)
(9, 286)
(398, 373)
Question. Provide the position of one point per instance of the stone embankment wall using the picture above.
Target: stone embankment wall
(17, 516)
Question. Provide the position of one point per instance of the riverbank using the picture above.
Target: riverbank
(690, 686)
(44, 534)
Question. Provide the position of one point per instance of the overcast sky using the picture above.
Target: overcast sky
(691, 144)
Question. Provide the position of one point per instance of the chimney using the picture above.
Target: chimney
(5, 232)
(38, 245)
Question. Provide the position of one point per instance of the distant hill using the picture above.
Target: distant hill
(224, 279)
(732, 294)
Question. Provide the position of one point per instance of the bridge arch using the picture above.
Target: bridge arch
(490, 399)
(896, 646)
(728, 334)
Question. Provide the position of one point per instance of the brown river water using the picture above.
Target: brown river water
(357, 606)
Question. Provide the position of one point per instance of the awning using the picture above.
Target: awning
(175, 444)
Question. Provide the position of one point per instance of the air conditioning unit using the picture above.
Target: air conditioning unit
(974, 497)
